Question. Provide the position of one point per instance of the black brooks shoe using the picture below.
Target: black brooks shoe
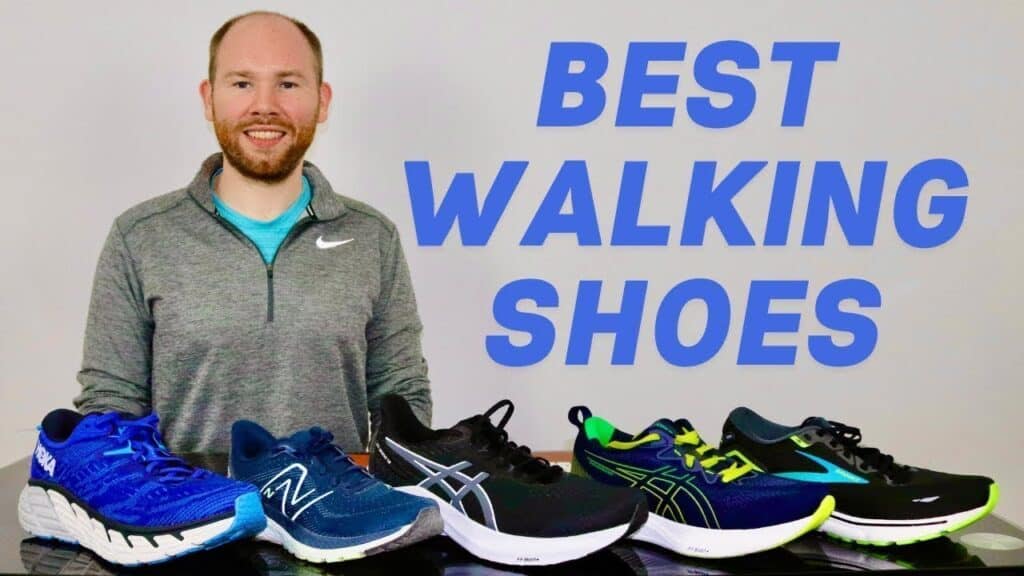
(498, 501)
(878, 501)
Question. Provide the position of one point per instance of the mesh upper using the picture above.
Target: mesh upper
(121, 490)
(351, 509)
(692, 496)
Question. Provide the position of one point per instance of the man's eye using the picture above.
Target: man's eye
(289, 85)
(241, 84)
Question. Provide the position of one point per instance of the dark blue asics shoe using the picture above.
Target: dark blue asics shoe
(320, 505)
(702, 503)
(108, 483)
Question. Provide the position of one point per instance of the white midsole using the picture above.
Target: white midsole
(709, 543)
(495, 546)
(275, 533)
(852, 528)
(48, 514)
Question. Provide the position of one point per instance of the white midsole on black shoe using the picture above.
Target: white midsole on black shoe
(275, 533)
(48, 514)
(495, 546)
(883, 531)
(710, 543)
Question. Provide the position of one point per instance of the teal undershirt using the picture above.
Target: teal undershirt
(267, 235)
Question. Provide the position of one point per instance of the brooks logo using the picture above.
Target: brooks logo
(291, 484)
(831, 474)
(45, 459)
(441, 476)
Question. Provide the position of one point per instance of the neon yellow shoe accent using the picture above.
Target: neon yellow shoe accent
(577, 469)
(799, 441)
(621, 445)
(734, 471)
(602, 430)
(741, 456)
(825, 509)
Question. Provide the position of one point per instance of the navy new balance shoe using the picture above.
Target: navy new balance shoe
(108, 483)
(320, 505)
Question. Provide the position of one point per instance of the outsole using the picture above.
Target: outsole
(427, 524)
(978, 514)
(712, 544)
(50, 515)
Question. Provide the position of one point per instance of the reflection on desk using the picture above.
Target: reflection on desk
(441, 556)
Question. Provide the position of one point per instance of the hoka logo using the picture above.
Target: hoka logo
(291, 483)
(45, 459)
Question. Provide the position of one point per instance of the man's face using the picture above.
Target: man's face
(264, 101)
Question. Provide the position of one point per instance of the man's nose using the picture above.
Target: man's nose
(266, 100)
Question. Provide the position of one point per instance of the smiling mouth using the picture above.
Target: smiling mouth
(264, 138)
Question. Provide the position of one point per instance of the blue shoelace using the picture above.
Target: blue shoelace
(142, 440)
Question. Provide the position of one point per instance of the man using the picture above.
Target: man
(255, 292)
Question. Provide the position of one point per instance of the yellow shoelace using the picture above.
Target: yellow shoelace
(691, 438)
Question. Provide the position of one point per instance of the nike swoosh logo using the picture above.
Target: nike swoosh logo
(926, 500)
(127, 449)
(324, 244)
(832, 475)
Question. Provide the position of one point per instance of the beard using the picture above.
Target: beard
(269, 166)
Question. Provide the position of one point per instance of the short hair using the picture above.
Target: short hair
(311, 37)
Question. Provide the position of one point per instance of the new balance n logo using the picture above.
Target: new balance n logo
(289, 483)
(442, 476)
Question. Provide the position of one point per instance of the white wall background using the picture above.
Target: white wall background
(101, 111)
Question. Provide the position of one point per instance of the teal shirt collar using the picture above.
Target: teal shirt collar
(292, 214)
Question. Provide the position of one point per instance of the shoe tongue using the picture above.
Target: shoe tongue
(463, 429)
(300, 440)
(816, 422)
(664, 429)
(684, 426)
(303, 440)
(99, 423)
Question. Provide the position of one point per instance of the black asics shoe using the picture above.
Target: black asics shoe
(497, 500)
(878, 501)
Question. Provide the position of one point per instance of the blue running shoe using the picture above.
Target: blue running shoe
(320, 505)
(108, 483)
(702, 503)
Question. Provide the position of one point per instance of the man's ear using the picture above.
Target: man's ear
(326, 93)
(206, 93)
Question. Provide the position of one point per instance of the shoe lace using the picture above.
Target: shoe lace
(848, 439)
(493, 441)
(142, 437)
(691, 448)
(330, 460)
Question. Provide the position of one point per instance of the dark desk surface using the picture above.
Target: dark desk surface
(989, 546)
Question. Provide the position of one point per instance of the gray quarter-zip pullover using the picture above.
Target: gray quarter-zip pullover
(187, 320)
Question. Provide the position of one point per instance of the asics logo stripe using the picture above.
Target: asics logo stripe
(269, 490)
(663, 486)
(832, 475)
(440, 475)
